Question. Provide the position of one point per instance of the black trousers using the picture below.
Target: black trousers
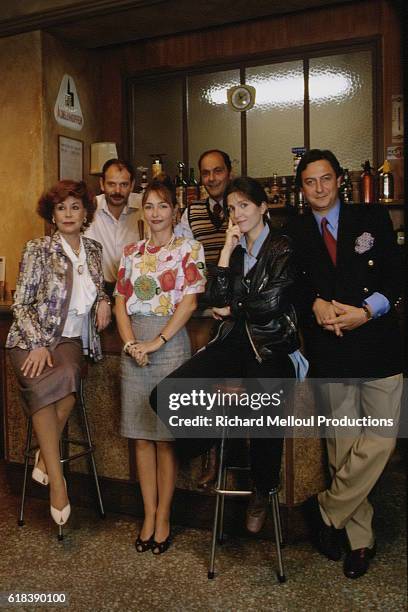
(234, 357)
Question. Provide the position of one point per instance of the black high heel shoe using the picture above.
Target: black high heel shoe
(158, 548)
(143, 545)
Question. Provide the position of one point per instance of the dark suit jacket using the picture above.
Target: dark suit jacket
(373, 349)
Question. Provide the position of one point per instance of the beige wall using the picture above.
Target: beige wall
(31, 68)
(21, 151)
(59, 59)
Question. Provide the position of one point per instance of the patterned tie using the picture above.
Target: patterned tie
(329, 240)
(218, 213)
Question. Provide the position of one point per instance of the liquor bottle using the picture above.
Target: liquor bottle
(193, 190)
(203, 194)
(400, 236)
(367, 184)
(143, 180)
(157, 164)
(346, 187)
(274, 190)
(292, 193)
(284, 192)
(386, 183)
(181, 188)
(300, 201)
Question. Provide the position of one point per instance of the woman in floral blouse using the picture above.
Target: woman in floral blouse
(59, 295)
(156, 294)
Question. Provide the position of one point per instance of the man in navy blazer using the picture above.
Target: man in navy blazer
(350, 280)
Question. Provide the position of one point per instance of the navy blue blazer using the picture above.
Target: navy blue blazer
(368, 260)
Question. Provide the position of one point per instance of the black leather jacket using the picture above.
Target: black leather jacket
(262, 300)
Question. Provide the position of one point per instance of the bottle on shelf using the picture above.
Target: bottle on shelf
(300, 201)
(143, 179)
(386, 183)
(367, 184)
(284, 192)
(274, 190)
(193, 190)
(346, 187)
(157, 165)
(181, 188)
(292, 193)
(400, 231)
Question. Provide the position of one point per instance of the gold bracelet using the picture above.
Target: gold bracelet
(127, 345)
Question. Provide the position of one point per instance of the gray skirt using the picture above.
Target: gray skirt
(54, 383)
(138, 420)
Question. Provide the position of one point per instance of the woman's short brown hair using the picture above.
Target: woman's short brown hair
(62, 190)
(164, 186)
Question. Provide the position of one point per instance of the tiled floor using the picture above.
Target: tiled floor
(98, 568)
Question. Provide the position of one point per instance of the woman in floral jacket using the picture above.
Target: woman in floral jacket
(60, 283)
(158, 282)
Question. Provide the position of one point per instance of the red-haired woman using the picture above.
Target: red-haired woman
(60, 286)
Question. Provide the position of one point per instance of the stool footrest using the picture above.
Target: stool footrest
(77, 455)
(76, 442)
(231, 493)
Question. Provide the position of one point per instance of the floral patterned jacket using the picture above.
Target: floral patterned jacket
(43, 292)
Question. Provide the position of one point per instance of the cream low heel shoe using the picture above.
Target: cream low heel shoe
(37, 474)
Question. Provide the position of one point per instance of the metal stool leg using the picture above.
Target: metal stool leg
(88, 436)
(211, 573)
(278, 517)
(27, 457)
(222, 506)
(273, 498)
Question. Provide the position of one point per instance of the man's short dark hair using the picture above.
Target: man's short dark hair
(316, 155)
(225, 157)
(122, 164)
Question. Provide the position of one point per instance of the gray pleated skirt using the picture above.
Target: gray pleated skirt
(54, 383)
(138, 420)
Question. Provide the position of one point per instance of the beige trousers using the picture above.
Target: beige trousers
(358, 457)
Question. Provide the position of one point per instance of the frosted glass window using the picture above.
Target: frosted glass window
(212, 124)
(341, 106)
(157, 120)
(275, 123)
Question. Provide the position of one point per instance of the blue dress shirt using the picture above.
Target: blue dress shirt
(378, 303)
(300, 363)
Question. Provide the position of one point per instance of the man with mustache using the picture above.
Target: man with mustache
(116, 220)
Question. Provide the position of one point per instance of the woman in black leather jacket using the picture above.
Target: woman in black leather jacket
(252, 296)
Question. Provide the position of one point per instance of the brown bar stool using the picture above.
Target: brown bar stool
(221, 493)
(65, 457)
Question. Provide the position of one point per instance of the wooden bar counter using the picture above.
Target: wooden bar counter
(302, 468)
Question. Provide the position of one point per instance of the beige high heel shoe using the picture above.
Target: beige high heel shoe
(61, 516)
(37, 474)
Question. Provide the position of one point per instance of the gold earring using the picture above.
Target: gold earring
(53, 221)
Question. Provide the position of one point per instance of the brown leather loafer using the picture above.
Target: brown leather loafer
(256, 512)
(357, 561)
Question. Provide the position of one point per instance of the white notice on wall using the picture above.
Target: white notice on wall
(67, 109)
(397, 119)
(70, 159)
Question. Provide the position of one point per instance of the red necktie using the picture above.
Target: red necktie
(329, 240)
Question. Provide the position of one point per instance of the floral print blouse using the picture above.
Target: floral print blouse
(154, 280)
